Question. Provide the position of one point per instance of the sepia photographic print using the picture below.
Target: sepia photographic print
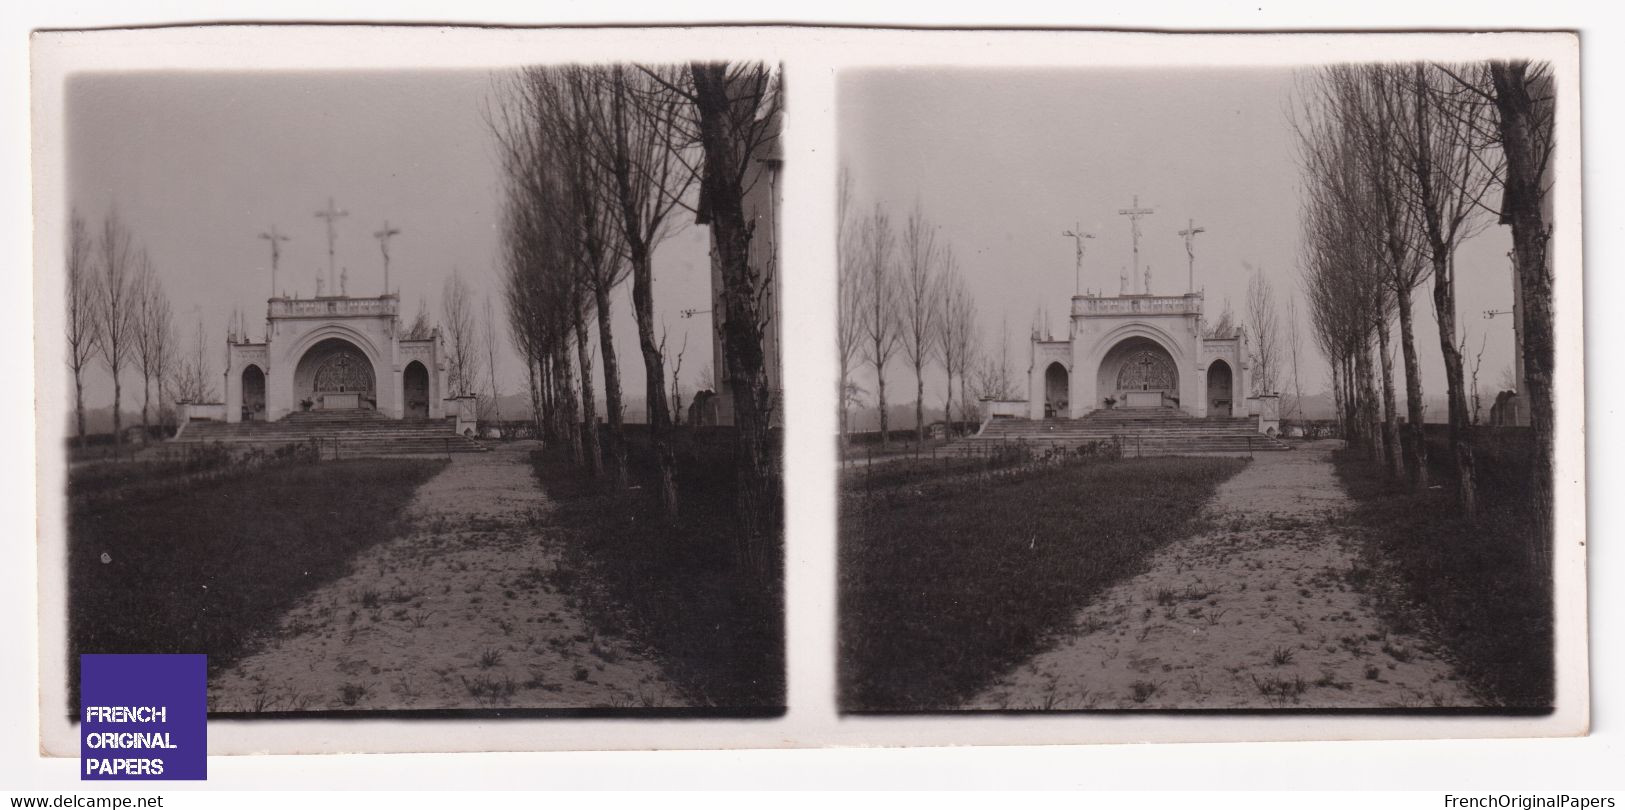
(463, 389)
(1198, 388)
(427, 391)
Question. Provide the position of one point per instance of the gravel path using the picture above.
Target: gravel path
(465, 610)
(1264, 609)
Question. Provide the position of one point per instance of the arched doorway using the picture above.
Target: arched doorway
(335, 375)
(415, 387)
(1056, 390)
(1137, 373)
(1221, 395)
(253, 394)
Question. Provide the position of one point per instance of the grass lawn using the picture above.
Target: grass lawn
(940, 594)
(1470, 582)
(717, 632)
(206, 569)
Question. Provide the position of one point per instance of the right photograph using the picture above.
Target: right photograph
(1197, 388)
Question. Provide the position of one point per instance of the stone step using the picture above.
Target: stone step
(352, 433)
(1141, 431)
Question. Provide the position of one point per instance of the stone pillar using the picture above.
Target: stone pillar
(466, 409)
(234, 388)
(1269, 414)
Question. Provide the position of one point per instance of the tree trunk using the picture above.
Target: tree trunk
(1416, 449)
(616, 440)
(1337, 397)
(79, 404)
(589, 404)
(948, 402)
(118, 417)
(146, 403)
(742, 297)
(845, 426)
(536, 418)
(564, 397)
(1461, 449)
(1371, 420)
(919, 404)
(1526, 215)
(1390, 423)
(880, 395)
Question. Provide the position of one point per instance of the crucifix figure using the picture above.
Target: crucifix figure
(331, 214)
(383, 245)
(1190, 233)
(1078, 236)
(276, 240)
(1134, 214)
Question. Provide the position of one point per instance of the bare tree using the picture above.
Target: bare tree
(151, 336)
(882, 335)
(422, 327)
(1478, 362)
(851, 239)
(736, 112)
(642, 144)
(457, 314)
(918, 299)
(676, 376)
(83, 327)
(192, 379)
(569, 109)
(490, 341)
(1264, 320)
(955, 338)
(1349, 140)
(1525, 106)
(1449, 178)
(1224, 326)
(994, 379)
(116, 291)
(1295, 343)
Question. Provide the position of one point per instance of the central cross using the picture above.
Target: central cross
(331, 214)
(1134, 214)
(383, 237)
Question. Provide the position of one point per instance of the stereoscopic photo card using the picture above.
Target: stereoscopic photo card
(457, 389)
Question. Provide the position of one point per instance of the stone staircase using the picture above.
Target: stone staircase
(1143, 432)
(345, 434)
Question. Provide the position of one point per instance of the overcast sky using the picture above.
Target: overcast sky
(1005, 160)
(199, 164)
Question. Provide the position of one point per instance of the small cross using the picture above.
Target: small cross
(1078, 236)
(1190, 233)
(276, 252)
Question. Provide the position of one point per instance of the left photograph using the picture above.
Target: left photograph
(425, 391)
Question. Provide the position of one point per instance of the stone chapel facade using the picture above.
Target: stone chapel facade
(335, 353)
(1139, 351)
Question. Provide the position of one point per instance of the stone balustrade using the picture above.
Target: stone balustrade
(1137, 305)
(333, 307)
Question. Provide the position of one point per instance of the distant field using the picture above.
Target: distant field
(206, 567)
(940, 593)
